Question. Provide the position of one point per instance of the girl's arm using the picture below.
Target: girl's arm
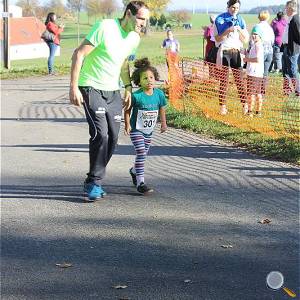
(163, 121)
(127, 121)
(257, 58)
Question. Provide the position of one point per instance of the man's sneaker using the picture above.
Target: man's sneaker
(133, 176)
(143, 189)
(92, 192)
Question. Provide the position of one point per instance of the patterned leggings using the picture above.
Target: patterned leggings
(141, 144)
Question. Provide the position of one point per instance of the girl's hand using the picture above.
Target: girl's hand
(163, 128)
(127, 129)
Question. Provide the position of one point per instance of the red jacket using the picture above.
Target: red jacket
(52, 27)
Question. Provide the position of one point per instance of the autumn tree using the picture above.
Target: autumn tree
(179, 16)
(56, 6)
(156, 7)
(29, 7)
(92, 7)
(108, 7)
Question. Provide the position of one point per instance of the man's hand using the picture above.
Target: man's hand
(75, 96)
(127, 98)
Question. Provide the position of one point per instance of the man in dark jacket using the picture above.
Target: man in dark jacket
(290, 50)
(294, 46)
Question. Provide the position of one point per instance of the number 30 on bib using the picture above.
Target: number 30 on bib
(146, 120)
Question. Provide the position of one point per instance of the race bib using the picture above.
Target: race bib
(146, 120)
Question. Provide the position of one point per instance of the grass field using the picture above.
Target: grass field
(191, 41)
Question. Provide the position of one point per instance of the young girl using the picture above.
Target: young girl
(147, 103)
(255, 72)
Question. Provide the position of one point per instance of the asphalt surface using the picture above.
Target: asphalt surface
(165, 246)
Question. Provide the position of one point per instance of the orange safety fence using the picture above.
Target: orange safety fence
(195, 85)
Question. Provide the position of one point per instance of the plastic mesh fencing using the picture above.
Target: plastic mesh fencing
(224, 94)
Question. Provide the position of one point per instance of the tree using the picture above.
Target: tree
(179, 16)
(156, 7)
(93, 8)
(162, 21)
(75, 6)
(56, 6)
(108, 7)
(29, 7)
(153, 21)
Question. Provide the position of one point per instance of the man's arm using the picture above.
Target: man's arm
(125, 76)
(77, 59)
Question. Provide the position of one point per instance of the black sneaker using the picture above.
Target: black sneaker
(133, 176)
(143, 189)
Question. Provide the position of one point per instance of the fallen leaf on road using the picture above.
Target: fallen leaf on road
(119, 287)
(265, 221)
(187, 281)
(64, 265)
(226, 246)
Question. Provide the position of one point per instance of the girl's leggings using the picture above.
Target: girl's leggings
(141, 143)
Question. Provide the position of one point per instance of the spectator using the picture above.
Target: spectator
(255, 71)
(278, 25)
(290, 52)
(171, 44)
(52, 44)
(172, 47)
(209, 36)
(268, 38)
(230, 34)
(294, 47)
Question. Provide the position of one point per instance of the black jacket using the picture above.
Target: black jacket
(294, 33)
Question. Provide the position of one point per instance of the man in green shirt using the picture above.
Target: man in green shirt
(97, 65)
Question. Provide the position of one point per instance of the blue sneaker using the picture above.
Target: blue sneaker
(92, 192)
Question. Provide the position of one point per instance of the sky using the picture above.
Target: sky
(220, 5)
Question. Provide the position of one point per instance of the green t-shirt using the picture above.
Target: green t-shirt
(143, 103)
(102, 67)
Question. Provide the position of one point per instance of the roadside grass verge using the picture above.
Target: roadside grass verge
(283, 149)
(15, 73)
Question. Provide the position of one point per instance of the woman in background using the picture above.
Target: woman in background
(278, 25)
(53, 45)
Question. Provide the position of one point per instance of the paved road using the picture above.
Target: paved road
(207, 194)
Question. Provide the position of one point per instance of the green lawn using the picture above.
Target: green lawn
(191, 42)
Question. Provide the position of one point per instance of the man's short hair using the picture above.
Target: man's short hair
(134, 6)
(292, 4)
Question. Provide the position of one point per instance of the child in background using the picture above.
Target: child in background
(255, 72)
(147, 103)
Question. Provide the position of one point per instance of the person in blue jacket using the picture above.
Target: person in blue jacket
(230, 35)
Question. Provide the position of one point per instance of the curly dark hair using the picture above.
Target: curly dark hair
(142, 65)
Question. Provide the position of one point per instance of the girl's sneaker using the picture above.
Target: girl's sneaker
(133, 176)
(143, 189)
(92, 192)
